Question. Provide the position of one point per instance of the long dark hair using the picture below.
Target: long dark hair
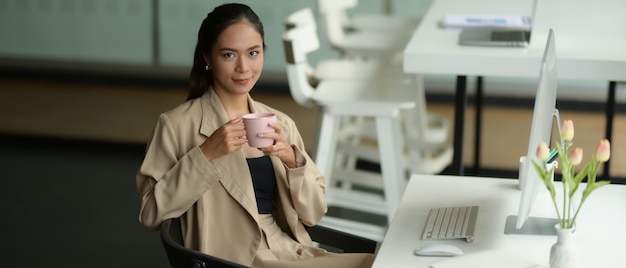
(212, 26)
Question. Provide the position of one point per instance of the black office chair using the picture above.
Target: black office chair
(181, 257)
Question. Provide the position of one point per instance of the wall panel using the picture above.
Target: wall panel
(107, 31)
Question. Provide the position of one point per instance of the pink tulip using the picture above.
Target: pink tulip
(542, 151)
(575, 156)
(567, 130)
(603, 151)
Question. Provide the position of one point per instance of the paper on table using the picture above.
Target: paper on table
(519, 22)
(491, 258)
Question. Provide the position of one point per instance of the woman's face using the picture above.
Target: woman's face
(236, 59)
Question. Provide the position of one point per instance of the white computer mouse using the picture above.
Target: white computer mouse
(438, 250)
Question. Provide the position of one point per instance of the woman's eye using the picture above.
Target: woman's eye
(254, 53)
(229, 55)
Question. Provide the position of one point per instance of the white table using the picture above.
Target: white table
(599, 235)
(590, 38)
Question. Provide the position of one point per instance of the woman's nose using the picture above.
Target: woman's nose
(242, 65)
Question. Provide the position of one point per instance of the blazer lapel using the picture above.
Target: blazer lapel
(234, 175)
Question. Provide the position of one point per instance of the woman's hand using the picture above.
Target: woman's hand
(281, 148)
(228, 138)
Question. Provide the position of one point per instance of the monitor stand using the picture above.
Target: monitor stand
(532, 226)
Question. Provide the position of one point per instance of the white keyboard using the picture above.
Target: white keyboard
(451, 223)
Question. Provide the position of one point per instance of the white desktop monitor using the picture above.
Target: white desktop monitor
(541, 130)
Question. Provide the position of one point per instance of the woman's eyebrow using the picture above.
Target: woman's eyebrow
(234, 50)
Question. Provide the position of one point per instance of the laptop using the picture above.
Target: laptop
(495, 37)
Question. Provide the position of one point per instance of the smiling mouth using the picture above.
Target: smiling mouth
(242, 81)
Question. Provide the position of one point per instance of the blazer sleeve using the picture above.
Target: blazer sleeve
(169, 184)
(306, 183)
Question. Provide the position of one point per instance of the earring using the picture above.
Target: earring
(207, 67)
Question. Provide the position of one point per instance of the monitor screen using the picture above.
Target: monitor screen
(541, 130)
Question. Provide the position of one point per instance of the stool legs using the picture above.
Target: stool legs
(326, 146)
(391, 149)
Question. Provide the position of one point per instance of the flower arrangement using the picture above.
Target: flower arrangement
(571, 179)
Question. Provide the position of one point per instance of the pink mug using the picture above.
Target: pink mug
(256, 123)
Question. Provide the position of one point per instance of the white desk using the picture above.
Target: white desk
(590, 39)
(600, 233)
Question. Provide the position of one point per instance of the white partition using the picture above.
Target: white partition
(107, 31)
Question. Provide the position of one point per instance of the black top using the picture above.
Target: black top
(264, 182)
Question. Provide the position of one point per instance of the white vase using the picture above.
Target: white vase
(564, 253)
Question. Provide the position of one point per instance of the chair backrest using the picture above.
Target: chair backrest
(299, 18)
(298, 42)
(334, 16)
(181, 257)
(335, 5)
(304, 18)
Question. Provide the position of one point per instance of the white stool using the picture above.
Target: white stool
(429, 150)
(351, 98)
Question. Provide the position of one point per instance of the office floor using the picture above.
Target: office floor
(69, 152)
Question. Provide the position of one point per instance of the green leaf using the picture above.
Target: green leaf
(593, 186)
(540, 169)
(578, 178)
(593, 170)
(565, 165)
(546, 177)
(550, 185)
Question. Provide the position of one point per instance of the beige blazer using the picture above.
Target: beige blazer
(215, 199)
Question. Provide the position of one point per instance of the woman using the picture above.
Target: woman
(239, 203)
